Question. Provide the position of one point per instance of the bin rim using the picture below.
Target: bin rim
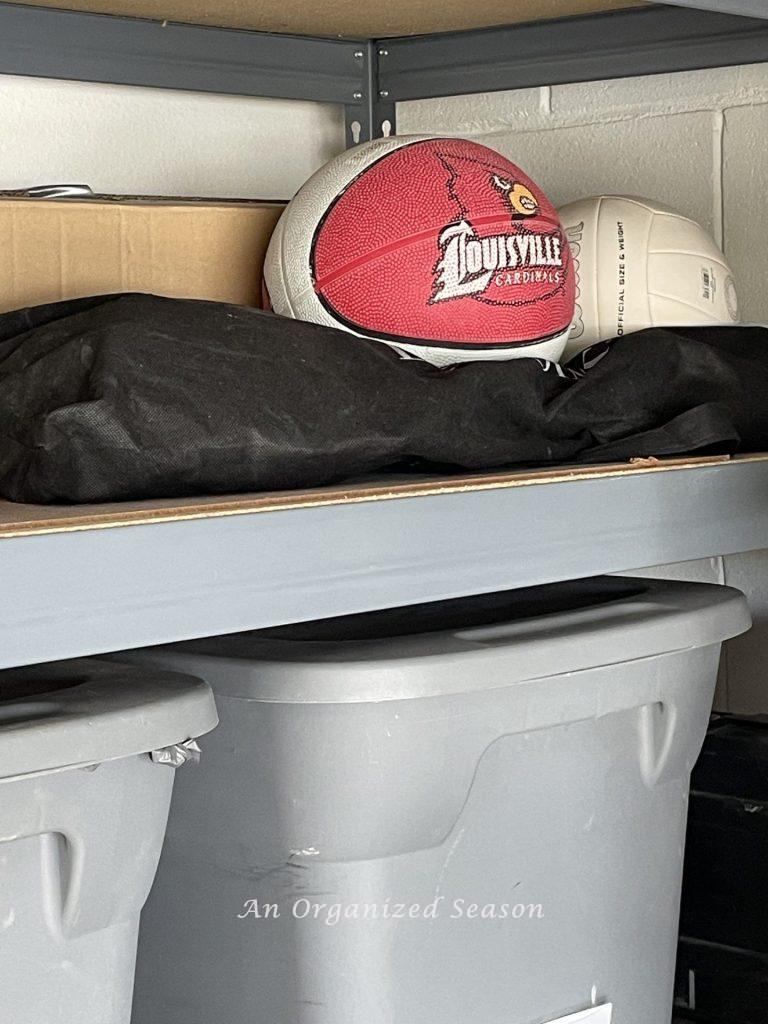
(94, 711)
(650, 619)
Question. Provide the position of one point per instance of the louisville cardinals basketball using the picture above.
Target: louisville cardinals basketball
(441, 248)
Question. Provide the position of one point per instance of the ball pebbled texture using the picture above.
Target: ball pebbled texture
(442, 248)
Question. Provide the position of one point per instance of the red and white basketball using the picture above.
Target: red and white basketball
(442, 248)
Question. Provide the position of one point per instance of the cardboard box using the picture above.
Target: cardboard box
(67, 248)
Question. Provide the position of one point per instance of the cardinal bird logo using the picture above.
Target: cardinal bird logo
(523, 202)
(480, 257)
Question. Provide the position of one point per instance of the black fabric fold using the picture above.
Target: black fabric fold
(135, 396)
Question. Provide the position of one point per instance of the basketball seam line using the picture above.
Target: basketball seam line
(419, 236)
(447, 343)
(412, 346)
(404, 143)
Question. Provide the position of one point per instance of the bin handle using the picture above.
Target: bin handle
(63, 868)
(658, 723)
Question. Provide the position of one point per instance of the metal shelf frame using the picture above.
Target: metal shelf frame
(368, 77)
(66, 594)
(133, 586)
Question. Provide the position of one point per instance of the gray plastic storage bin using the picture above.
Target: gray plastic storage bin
(83, 810)
(469, 812)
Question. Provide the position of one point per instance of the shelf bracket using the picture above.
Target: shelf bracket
(371, 114)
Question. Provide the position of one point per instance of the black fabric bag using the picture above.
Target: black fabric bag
(135, 396)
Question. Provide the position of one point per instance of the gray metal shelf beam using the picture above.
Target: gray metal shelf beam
(48, 43)
(619, 44)
(69, 594)
(368, 77)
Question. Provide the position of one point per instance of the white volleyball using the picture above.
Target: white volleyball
(639, 264)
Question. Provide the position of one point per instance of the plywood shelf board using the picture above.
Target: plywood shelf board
(344, 18)
(72, 589)
(21, 519)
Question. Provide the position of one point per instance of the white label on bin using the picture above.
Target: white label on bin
(594, 1015)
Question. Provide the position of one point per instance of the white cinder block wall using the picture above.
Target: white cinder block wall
(694, 140)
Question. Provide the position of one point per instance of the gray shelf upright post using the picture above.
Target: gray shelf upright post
(372, 114)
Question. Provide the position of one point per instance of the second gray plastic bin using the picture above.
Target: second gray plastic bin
(471, 812)
(85, 784)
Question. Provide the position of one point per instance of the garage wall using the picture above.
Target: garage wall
(693, 140)
(127, 140)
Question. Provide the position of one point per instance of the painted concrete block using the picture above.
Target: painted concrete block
(133, 141)
(745, 186)
(712, 89)
(471, 115)
(666, 158)
(588, 102)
